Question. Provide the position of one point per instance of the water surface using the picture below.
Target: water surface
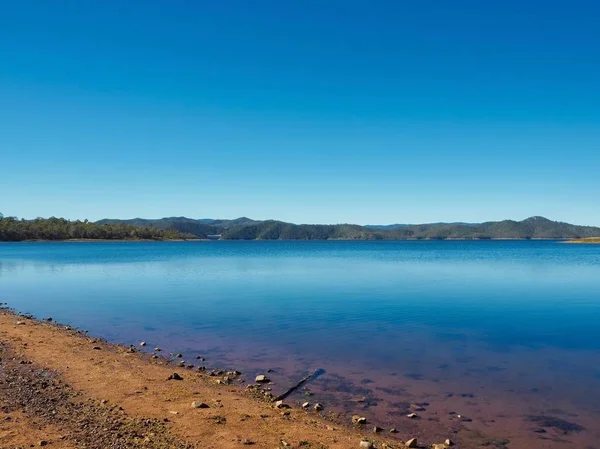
(501, 331)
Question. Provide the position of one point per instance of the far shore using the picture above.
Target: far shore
(562, 240)
(590, 240)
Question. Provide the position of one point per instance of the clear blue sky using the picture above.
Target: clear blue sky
(306, 111)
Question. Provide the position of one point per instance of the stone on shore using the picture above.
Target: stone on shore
(412, 443)
(306, 405)
(198, 404)
(449, 442)
(175, 376)
(356, 419)
(318, 407)
(142, 343)
(412, 415)
(366, 444)
(261, 379)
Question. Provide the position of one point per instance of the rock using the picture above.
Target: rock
(281, 404)
(142, 343)
(42, 443)
(377, 429)
(49, 319)
(438, 446)
(356, 419)
(179, 356)
(366, 444)
(154, 356)
(181, 364)
(173, 412)
(412, 443)
(20, 323)
(103, 401)
(198, 404)
(247, 442)
(449, 442)
(261, 379)
(318, 407)
(175, 376)
(393, 430)
(97, 348)
(306, 405)
(200, 358)
(284, 443)
(157, 349)
(190, 366)
(412, 415)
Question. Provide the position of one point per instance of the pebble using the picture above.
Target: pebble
(356, 419)
(179, 356)
(175, 376)
(366, 444)
(157, 349)
(198, 404)
(449, 442)
(181, 364)
(97, 348)
(42, 443)
(306, 405)
(281, 404)
(19, 323)
(318, 407)
(412, 415)
(412, 443)
(393, 430)
(49, 319)
(377, 429)
(142, 343)
(200, 358)
(154, 356)
(261, 378)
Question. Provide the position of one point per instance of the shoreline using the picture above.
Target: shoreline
(107, 377)
(561, 240)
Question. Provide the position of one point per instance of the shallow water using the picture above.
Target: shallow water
(498, 331)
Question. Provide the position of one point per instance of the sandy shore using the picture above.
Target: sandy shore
(62, 388)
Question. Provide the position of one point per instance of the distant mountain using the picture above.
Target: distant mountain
(247, 229)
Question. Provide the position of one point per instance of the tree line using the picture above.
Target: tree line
(14, 230)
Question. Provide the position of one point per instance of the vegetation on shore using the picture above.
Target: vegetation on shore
(585, 240)
(176, 228)
(14, 230)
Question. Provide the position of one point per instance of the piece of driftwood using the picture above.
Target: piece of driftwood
(316, 373)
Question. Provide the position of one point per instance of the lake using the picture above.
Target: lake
(505, 334)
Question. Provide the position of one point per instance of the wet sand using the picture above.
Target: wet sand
(61, 388)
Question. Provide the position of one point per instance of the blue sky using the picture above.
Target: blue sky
(305, 111)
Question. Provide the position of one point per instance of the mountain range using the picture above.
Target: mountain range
(244, 228)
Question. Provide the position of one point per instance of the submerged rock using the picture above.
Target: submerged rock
(142, 343)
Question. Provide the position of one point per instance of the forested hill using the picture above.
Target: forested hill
(248, 229)
(14, 230)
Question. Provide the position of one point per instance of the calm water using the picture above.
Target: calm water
(498, 331)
